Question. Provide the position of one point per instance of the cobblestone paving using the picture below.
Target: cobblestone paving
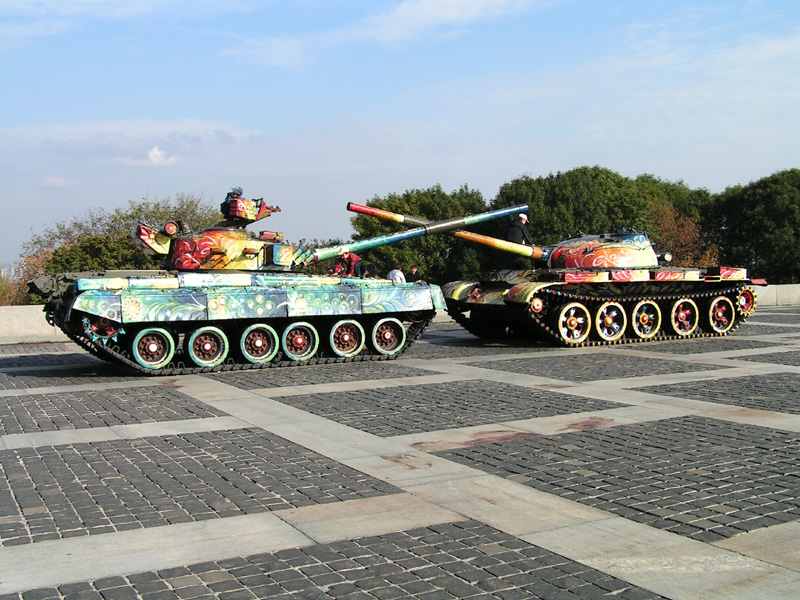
(46, 359)
(778, 392)
(43, 348)
(314, 374)
(74, 375)
(459, 560)
(791, 358)
(472, 347)
(51, 492)
(591, 368)
(758, 329)
(413, 409)
(101, 408)
(696, 477)
(702, 345)
(774, 317)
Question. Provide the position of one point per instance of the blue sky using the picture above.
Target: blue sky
(315, 103)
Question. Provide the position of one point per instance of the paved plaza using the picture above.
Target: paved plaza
(464, 469)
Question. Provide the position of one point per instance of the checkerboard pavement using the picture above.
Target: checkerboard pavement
(462, 470)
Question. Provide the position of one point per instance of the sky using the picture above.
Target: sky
(311, 104)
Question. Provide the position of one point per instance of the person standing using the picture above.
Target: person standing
(396, 275)
(517, 232)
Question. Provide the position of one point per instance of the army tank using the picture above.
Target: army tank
(227, 298)
(593, 290)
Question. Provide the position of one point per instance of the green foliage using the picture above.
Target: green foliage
(195, 212)
(440, 257)
(99, 252)
(758, 226)
(584, 200)
(673, 220)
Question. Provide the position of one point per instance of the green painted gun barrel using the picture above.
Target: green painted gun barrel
(534, 252)
(306, 256)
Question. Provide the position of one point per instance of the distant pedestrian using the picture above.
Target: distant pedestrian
(413, 275)
(396, 274)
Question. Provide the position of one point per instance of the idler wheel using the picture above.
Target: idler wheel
(645, 320)
(259, 343)
(153, 348)
(746, 302)
(207, 347)
(388, 336)
(610, 321)
(573, 323)
(684, 316)
(720, 315)
(300, 341)
(347, 338)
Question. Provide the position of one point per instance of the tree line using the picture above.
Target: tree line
(756, 226)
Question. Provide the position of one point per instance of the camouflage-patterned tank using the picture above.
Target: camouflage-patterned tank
(596, 289)
(232, 299)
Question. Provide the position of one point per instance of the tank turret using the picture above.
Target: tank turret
(595, 289)
(227, 298)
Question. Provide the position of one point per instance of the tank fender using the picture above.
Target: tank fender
(524, 292)
(457, 290)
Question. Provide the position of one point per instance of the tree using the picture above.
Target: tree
(99, 239)
(581, 201)
(99, 252)
(674, 232)
(673, 220)
(757, 226)
(440, 257)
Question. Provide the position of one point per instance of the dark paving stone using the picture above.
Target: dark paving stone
(442, 562)
(703, 345)
(471, 346)
(62, 491)
(757, 329)
(593, 366)
(775, 317)
(791, 358)
(697, 477)
(100, 408)
(778, 392)
(47, 360)
(418, 408)
(61, 376)
(43, 348)
(314, 374)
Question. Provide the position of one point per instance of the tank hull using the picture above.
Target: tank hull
(578, 307)
(174, 322)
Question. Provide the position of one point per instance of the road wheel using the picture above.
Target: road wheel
(153, 348)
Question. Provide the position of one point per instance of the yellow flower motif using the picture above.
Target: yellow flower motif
(132, 308)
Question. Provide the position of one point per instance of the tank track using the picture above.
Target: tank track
(115, 353)
(546, 332)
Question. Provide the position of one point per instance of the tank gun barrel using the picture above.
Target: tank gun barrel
(306, 256)
(534, 252)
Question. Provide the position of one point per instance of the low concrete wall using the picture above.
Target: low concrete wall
(28, 324)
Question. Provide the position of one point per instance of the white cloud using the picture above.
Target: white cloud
(155, 158)
(406, 21)
(414, 18)
(58, 182)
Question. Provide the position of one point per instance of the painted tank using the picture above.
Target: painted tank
(228, 298)
(597, 289)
